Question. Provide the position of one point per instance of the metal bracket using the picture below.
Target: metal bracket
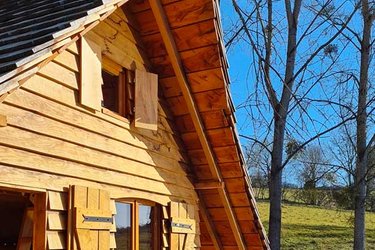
(97, 219)
(181, 225)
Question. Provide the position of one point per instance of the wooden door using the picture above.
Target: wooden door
(90, 219)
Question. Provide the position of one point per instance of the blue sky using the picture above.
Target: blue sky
(242, 79)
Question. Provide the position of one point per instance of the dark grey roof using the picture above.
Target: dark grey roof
(28, 26)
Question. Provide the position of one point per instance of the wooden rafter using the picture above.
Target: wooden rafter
(175, 59)
(209, 224)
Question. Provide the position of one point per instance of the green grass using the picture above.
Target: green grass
(305, 227)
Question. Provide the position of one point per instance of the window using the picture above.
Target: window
(110, 89)
(137, 225)
(117, 89)
(106, 86)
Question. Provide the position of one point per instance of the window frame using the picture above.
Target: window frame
(123, 97)
(134, 222)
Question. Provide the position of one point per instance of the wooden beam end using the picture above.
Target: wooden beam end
(3, 121)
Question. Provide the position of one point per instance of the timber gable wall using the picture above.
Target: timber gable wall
(51, 142)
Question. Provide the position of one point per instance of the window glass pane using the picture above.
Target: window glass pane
(110, 91)
(145, 227)
(123, 226)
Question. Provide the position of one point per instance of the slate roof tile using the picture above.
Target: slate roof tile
(27, 24)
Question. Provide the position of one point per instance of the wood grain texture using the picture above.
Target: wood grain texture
(68, 60)
(91, 75)
(40, 221)
(187, 37)
(67, 77)
(64, 168)
(56, 221)
(146, 100)
(179, 13)
(195, 60)
(56, 240)
(3, 120)
(33, 180)
(162, 142)
(199, 82)
(57, 201)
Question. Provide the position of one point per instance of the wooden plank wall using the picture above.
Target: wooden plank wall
(51, 142)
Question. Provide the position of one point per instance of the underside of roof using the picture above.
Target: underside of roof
(33, 32)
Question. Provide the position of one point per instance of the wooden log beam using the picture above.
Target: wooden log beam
(176, 62)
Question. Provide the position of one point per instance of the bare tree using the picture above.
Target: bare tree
(258, 165)
(364, 103)
(343, 153)
(316, 169)
(286, 71)
(361, 143)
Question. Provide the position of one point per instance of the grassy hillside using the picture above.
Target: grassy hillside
(307, 228)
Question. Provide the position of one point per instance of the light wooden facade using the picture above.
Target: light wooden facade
(53, 145)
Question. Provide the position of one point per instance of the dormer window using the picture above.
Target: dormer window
(108, 87)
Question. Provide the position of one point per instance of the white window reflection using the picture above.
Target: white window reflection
(123, 226)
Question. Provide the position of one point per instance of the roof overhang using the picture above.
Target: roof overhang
(184, 41)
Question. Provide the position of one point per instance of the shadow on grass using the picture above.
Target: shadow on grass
(300, 236)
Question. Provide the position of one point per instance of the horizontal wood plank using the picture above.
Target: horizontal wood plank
(61, 167)
(114, 53)
(117, 39)
(242, 213)
(191, 61)
(67, 77)
(87, 121)
(186, 37)
(129, 154)
(24, 178)
(199, 82)
(193, 11)
(211, 120)
(142, 5)
(68, 60)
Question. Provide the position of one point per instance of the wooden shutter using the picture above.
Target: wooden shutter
(146, 100)
(90, 219)
(182, 237)
(91, 75)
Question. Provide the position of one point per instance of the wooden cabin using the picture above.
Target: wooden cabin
(117, 129)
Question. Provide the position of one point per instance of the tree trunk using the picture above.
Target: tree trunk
(280, 116)
(361, 164)
(276, 185)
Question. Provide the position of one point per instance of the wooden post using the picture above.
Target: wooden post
(40, 221)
